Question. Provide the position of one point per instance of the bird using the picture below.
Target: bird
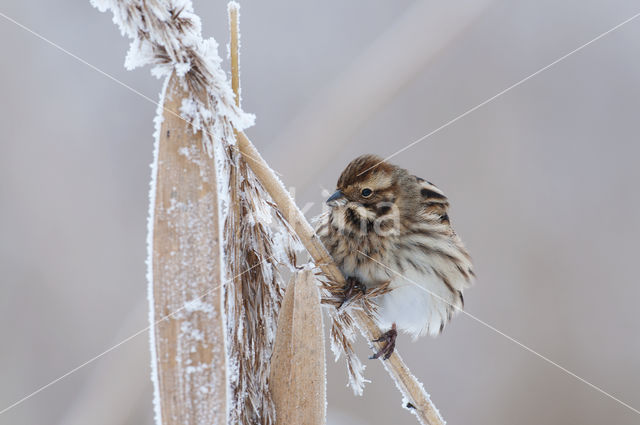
(386, 226)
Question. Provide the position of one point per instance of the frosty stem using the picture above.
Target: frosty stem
(234, 49)
(408, 385)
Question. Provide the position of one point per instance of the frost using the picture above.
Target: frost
(187, 329)
(189, 111)
(101, 5)
(166, 34)
(224, 200)
(140, 53)
(198, 305)
(191, 153)
(196, 369)
(150, 220)
(281, 241)
(190, 222)
(182, 68)
(406, 400)
(356, 379)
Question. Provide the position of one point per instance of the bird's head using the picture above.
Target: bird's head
(366, 180)
(369, 190)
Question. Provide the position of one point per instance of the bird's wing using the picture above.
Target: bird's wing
(450, 260)
(434, 202)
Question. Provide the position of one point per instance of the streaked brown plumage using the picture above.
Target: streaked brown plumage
(386, 225)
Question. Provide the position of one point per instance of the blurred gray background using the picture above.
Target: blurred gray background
(542, 180)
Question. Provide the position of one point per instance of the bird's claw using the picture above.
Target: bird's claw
(389, 338)
(352, 287)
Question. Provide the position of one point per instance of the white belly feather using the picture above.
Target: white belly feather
(418, 304)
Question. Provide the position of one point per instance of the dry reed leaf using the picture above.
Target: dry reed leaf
(297, 382)
(187, 291)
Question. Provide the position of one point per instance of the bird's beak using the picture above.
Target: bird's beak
(336, 199)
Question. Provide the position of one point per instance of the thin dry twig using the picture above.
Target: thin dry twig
(234, 46)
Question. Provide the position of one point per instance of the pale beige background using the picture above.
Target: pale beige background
(543, 183)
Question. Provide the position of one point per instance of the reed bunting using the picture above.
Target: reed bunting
(388, 227)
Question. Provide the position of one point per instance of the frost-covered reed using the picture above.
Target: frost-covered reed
(222, 228)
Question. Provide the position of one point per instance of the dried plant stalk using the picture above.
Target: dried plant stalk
(234, 47)
(186, 264)
(297, 378)
(253, 299)
(408, 385)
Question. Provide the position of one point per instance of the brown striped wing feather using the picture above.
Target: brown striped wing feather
(434, 201)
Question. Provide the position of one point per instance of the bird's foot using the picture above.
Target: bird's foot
(352, 287)
(389, 338)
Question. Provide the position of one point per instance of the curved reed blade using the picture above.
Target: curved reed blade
(298, 384)
(187, 291)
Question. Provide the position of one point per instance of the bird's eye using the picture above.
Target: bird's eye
(366, 192)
